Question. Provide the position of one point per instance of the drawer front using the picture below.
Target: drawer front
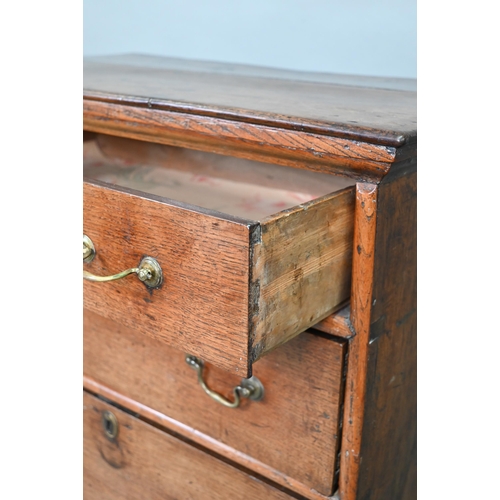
(293, 429)
(232, 289)
(205, 264)
(143, 462)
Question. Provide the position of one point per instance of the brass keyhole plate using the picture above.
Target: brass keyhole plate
(110, 425)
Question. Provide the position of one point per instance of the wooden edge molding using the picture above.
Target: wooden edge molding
(173, 426)
(360, 160)
(362, 287)
(338, 323)
(353, 132)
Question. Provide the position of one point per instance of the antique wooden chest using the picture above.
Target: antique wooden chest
(249, 282)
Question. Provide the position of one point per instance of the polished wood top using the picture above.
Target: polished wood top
(379, 111)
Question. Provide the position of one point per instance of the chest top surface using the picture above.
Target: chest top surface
(377, 112)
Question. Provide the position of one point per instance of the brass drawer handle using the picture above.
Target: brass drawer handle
(149, 270)
(250, 388)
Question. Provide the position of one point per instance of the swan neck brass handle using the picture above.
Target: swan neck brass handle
(250, 388)
(149, 270)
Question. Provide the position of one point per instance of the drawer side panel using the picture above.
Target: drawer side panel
(301, 269)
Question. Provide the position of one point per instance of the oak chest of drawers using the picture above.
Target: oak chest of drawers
(249, 282)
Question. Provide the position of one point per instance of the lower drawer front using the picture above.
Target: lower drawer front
(293, 429)
(143, 462)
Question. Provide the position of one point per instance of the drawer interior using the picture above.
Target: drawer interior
(243, 188)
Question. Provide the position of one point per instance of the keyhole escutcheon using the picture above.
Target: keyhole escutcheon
(110, 424)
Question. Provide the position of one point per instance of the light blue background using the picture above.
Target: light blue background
(359, 37)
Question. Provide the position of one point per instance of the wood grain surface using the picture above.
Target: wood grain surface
(301, 269)
(145, 463)
(241, 139)
(378, 452)
(338, 324)
(202, 306)
(305, 102)
(233, 290)
(389, 441)
(198, 66)
(200, 440)
(365, 223)
(303, 388)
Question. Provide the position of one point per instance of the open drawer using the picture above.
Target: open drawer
(251, 254)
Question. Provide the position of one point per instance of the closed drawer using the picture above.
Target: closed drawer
(143, 462)
(294, 429)
(234, 287)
